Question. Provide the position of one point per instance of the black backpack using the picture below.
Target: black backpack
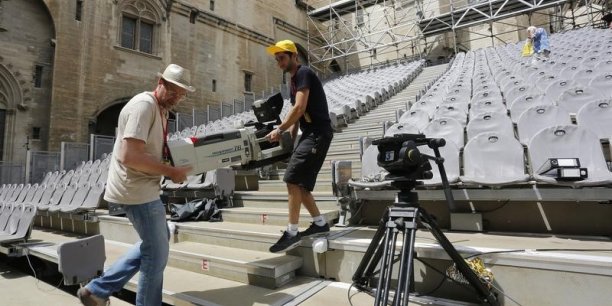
(197, 210)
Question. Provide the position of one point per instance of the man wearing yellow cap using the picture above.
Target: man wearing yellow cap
(311, 115)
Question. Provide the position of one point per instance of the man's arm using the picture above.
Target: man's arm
(298, 110)
(133, 155)
(292, 119)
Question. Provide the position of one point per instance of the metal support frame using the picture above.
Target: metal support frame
(367, 29)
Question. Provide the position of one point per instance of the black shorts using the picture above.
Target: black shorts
(307, 159)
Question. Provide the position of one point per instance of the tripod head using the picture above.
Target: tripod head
(407, 166)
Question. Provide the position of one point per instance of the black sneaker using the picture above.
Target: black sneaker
(286, 242)
(314, 229)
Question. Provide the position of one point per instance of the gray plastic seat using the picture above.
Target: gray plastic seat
(77, 200)
(447, 128)
(92, 201)
(522, 103)
(596, 117)
(67, 196)
(493, 159)
(539, 117)
(67, 177)
(417, 118)
(450, 153)
(576, 97)
(11, 224)
(55, 198)
(81, 260)
(499, 123)
(569, 141)
(103, 176)
(603, 83)
(28, 212)
(5, 214)
(370, 170)
(12, 197)
(36, 198)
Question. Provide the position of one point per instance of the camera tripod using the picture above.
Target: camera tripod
(403, 216)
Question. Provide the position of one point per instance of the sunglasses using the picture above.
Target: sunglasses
(280, 58)
(173, 92)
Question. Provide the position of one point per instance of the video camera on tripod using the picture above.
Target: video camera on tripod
(407, 166)
(400, 156)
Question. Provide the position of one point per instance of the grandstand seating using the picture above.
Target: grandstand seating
(73, 192)
(487, 91)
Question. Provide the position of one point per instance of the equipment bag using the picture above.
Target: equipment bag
(197, 210)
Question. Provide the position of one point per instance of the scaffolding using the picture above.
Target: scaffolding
(355, 33)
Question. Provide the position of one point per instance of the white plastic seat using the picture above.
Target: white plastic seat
(401, 128)
(596, 117)
(450, 153)
(448, 128)
(603, 83)
(499, 123)
(519, 91)
(539, 117)
(452, 110)
(574, 98)
(486, 106)
(416, 118)
(569, 141)
(493, 159)
(556, 88)
(522, 103)
(423, 105)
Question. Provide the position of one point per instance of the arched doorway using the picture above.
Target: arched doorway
(106, 121)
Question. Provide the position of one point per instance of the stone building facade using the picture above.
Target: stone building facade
(68, 66)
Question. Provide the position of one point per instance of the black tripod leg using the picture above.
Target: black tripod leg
(485, 294)
(372, 256)
(402, 293)
(387, 264)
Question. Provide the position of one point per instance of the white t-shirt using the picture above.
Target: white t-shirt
(140, 118)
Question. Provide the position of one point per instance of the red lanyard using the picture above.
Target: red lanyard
(165, 150)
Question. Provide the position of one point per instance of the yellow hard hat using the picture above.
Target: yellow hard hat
(282, 46)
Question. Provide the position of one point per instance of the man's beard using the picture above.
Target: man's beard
(289, 67)
(167, 104)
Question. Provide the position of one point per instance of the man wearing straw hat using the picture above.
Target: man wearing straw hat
(311, 115)
(137, 164)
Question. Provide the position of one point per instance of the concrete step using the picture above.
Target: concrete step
(257, 268)
(254, 267)
(184, 287)
(325, 173)
(239, 236)
(322, 185)
(274, 195)
(274, 216)
(335, 293)
(17, 288)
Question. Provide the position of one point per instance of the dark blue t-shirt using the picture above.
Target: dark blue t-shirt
(316, 116)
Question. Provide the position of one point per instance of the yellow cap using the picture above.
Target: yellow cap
(282, 46)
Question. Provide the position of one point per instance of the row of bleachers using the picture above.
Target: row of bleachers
(348, 98)
(493, 104)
